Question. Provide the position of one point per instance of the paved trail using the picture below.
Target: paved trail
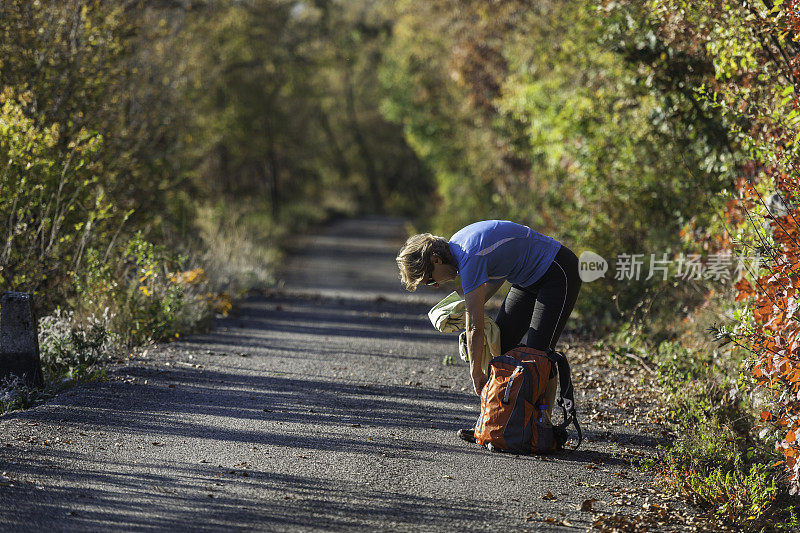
(322, 406)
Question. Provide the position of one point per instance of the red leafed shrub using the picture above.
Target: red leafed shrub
(772, 329)
(755, 52)
(773, 333)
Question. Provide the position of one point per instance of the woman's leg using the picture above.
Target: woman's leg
(514, 316)
(557, 293)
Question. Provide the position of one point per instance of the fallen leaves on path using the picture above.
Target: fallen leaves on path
(586, 506)
(619, 404)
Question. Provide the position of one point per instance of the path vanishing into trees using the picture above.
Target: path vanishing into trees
(323, 405)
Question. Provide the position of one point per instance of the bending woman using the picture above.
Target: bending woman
(543, 274)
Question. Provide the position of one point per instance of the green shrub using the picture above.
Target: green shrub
(70, 349)
(15, 394)
(716, 459)
(50, 201)
(151, 299)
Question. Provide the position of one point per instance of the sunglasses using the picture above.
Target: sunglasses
(430, 281)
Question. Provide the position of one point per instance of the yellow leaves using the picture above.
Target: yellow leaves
(586, 506)
(221, 302)
(145, 276)
(189, 277)
(144, 290)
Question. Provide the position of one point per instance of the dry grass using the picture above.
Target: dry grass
(240, 247)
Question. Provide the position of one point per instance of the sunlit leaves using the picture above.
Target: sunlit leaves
(754, 86)
(49, 197)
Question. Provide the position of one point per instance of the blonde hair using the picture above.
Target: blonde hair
(415, 259)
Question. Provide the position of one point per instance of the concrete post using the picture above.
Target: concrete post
(19, 342)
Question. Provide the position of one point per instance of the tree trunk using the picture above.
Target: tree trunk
(339, 158)
(363, 150)
(271, 170)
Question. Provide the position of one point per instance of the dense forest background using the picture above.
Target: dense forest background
(157, 155)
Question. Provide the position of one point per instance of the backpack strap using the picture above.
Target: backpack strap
(566, 393)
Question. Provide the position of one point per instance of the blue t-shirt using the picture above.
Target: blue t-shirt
(499, 250)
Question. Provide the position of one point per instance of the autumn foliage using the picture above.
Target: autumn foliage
(773, 335)
(767, 214)
(739, 65)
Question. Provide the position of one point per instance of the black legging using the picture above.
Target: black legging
(539, 311)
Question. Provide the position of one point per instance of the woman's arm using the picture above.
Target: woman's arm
(475, 301)
(491, 288)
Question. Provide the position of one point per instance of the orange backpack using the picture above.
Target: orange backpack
(515, 411)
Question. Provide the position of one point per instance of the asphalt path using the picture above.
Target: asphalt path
(323, 405)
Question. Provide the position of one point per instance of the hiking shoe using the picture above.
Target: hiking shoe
(467, 434)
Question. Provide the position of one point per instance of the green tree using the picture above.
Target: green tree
(535, 114)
